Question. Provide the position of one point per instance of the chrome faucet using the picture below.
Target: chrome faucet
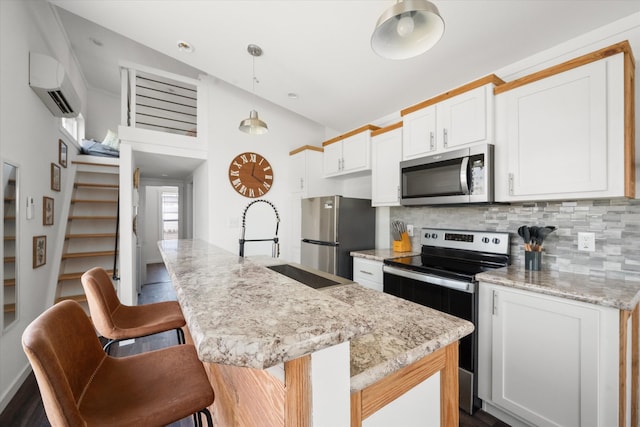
(275, 249)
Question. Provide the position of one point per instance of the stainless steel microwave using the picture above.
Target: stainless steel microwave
(454, 177)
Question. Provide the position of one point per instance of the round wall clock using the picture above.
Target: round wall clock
(250, 175)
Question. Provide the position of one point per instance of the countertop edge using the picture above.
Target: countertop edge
(381, 254)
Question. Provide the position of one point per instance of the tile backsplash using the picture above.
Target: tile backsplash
(616, 224)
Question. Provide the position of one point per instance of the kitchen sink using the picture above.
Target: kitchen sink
(303, 276)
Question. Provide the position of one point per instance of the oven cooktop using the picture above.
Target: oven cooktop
(457, 254)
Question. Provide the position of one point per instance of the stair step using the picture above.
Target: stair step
(93, 217)
(89, 235)
(96, 185)
(87, 254)
(9, 259)
(9, 237)
(9, 282)
(77, 298)
(9, 308)
(94, 201)
(72, 276)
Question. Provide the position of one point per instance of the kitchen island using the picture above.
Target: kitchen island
(283, 354)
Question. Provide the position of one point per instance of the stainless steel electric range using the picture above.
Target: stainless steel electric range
(443, 277)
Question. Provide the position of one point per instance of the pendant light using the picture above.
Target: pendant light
(407, 29)
(253, 125)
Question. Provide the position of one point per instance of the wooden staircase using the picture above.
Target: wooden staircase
(90, 238)
(9, 241)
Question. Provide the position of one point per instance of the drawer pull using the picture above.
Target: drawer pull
(366, 272)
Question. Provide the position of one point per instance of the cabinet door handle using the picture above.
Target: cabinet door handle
(495, 303)
(398, 193)
(301, 184)
(432, 141)
(445, 138)
(511, 184)
(366, 272)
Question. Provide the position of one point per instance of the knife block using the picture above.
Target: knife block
(403, 245)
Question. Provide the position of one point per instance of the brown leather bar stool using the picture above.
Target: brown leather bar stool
(81, 385)
(116, 321)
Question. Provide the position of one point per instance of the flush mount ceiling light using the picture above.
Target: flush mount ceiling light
(253, 125)
(407, 29)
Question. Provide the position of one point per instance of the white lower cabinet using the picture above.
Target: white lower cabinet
(368, 273)
(547, 361)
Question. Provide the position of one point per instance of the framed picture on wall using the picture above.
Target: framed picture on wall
(47, 211)
(39, 251)
(55, 177)
(62, 153)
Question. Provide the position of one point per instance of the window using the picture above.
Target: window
(170, 218)
(74, 126)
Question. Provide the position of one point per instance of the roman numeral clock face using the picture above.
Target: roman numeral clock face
(251, 175)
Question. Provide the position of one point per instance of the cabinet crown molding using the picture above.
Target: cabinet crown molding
(306, 147)
(622, 47)
(490, 79)
(351, 133)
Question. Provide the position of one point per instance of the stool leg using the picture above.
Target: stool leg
(181, 339)
(107, 346)
(207, 414)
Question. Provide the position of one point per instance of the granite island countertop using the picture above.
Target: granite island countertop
(615, 293)
(403, 333)
(241, 313)
(386, 333)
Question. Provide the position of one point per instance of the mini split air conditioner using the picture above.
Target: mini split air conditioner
(48, 79)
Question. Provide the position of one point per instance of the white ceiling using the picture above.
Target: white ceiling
(321, 49)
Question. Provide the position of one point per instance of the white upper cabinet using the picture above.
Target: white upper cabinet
(563, 136)
(306, 171)
(419, 133)
(386, 154)
(348, 153)
(459, 117)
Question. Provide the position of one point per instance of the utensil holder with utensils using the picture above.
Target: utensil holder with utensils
(533, 260)
(402, 245)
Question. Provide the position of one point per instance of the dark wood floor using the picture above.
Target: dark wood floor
(26, 409)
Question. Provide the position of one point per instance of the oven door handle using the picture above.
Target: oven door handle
(464, 179)
(428, 278)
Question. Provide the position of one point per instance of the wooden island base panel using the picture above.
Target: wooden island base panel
(366, 402)
(250, 397)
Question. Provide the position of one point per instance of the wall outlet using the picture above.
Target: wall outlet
(410, 230)
(587, 242)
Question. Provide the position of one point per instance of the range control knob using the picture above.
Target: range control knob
(485, 240)
(434, 235)
(427, 235)
(496, 240)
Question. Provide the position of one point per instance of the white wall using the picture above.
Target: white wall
(29, 137)
(220, 223)
(103, 109)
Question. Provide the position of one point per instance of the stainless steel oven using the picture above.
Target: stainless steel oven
(442, 277)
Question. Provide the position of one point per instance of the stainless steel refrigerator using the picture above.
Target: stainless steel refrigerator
(332, 227)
